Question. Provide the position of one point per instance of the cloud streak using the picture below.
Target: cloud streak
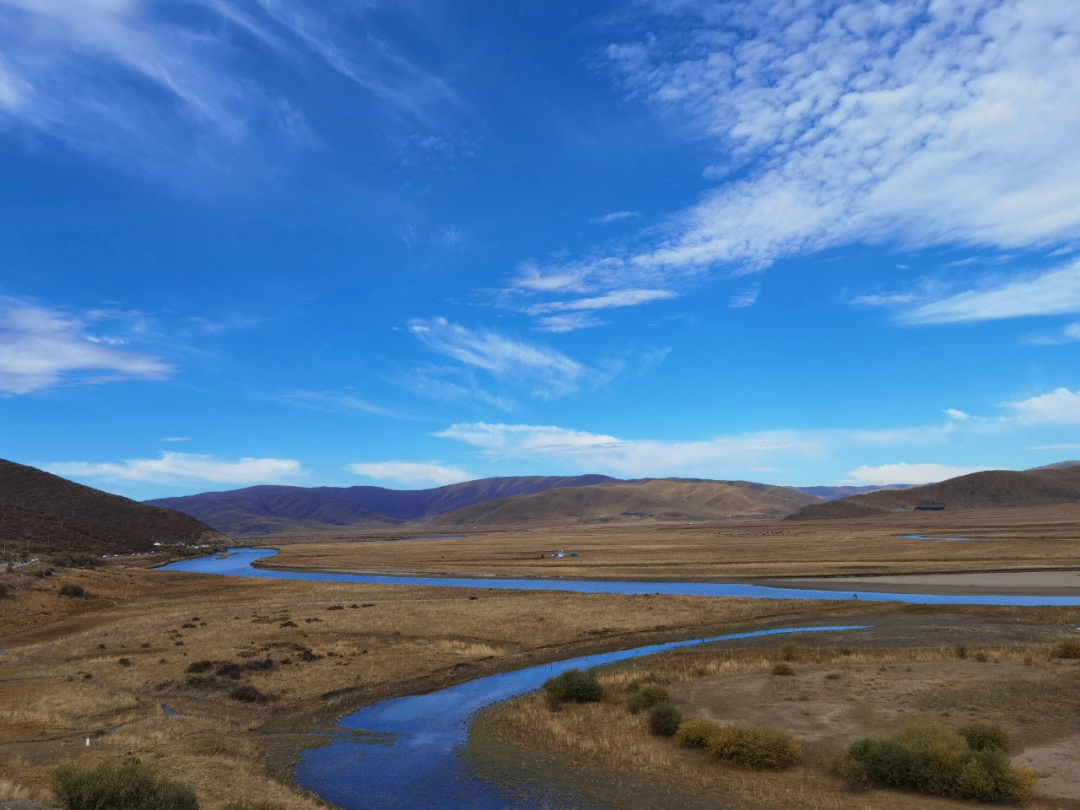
(42, 347)
(410, 474)
(173, 468)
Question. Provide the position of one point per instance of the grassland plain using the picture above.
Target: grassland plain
(1004, 539)
(831, 697)
(218, 681)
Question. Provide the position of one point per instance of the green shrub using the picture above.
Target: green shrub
(119, 785)
(695, 733)
(755, 747)
(573, 686)
(69, 589)
(853, 772)
(783, 669)
(646, 697)
(664, 719)
(932, 758)
(984, 737)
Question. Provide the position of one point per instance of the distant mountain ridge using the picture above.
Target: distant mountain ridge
(834, 493)
(273, 509)
(1042, 486)
(45, 513)
(484, 502)
(646, 499)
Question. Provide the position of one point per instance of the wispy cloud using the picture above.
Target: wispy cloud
(1052, 292)
(567, 322)
(134, 81)
(614, 216)
(1069, 334)
(176, 439)
(337, 401)
(548, 372)
(744, 299)
(902, 473)
(410, 474)
(864, 122)
(41, 347)
(172, 468)
(614, 299)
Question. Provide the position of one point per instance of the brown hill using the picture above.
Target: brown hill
(995, 488)
(40, 512)
(281, 509)
(656, 499)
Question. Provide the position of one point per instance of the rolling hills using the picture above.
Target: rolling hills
(280, 509)
(1055, 484)
(655, 499)
(41, 512)
(484, 502)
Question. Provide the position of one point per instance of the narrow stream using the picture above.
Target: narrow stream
(239, 562)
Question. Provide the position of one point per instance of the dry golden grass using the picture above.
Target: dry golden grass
(1043, 537)
(63, 681)
(834, 698)
(10, 791)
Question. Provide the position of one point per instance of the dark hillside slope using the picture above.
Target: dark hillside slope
(46, 513)
(994, 488)
(270, 509)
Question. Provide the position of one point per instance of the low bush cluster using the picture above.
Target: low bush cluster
(246, 693)
(120, 785)
(1069, 649)
(646, 696)
(664, 719)
(573, 686)
(932, 758)
(747, 746)
(70, 589)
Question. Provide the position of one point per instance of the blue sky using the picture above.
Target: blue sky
(262, 241)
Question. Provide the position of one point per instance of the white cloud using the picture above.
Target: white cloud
(567, 323)
(1070, 334)
(172, 468)
(1060, 407)
(177, 439)
(550, 373)
(863, 122)
(745, 299)
(410, 474)
(959, 416)
(902, 473)
(41, 347)
(616, 298)
(614, 216)
(1054, 292)
(592, 452)
(883, 300)
(337, 401)
(134, 81)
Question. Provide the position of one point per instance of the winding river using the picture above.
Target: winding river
(410, 751)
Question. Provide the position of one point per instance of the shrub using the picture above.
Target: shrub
(853, 772)
(664, 719)
(935, 759)
(756, 747)
(961, 651)
(120, 785)
(246, 805)
(246, 693)
(789, 652)
(984, 737)
(783, 669)
(695, 733)
(3, 590)
(69, 589)
(573, 686)
(196, 667)
(1069, 648)
(646, 697)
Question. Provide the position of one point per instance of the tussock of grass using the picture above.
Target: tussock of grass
(747, 746)
(120, 785)
(11, 791)
(646, 696)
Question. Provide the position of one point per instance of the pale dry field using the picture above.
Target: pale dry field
(114, 667)
(832, 699)
(1009, 539)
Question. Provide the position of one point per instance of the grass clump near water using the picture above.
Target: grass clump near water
(747, 746)
(935, 759)
(647, 696)
(664, 720)
(573, 686)
(120, 785)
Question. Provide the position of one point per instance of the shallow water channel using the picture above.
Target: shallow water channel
(410, 754)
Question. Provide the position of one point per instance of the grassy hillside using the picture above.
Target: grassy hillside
(996, 488)
(277, 509)
(46, 513)
(655, 499)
